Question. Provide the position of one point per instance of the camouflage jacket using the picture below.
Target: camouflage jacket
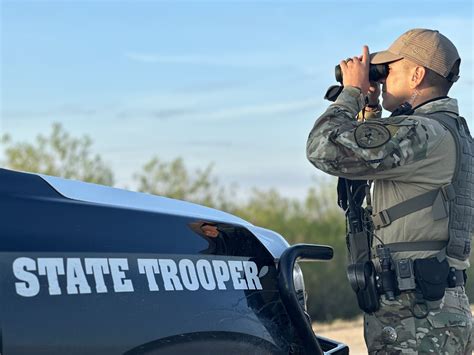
(404, 155)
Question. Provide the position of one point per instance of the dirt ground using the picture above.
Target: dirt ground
(348, 332)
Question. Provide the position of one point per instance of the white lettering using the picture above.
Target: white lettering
(150, 268)
(169, 272)
(51, 267)
(251, 275)
(97, 267)
(121, 284)
(235, 268)
(188, 274)
(206, 277)
(76, 279)
(222, 273)
(30, 287)
(177, 275)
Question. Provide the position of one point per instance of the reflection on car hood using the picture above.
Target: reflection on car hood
(104, 195)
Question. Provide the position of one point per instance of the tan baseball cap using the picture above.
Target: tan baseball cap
(428, 48)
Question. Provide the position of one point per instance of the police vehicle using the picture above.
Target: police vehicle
(89, 269)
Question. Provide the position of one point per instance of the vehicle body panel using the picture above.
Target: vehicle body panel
(88, 269)
(43, 226)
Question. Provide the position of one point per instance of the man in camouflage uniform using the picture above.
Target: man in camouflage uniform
(405, 155)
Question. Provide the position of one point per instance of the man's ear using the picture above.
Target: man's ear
(418, 73)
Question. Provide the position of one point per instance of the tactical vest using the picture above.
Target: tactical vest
(455, 200)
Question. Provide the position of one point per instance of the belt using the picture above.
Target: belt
(456, 278)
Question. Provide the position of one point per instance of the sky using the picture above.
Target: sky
(237, 84)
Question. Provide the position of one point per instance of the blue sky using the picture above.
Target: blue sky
(235, 83)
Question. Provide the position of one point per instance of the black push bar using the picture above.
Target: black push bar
(302, 252)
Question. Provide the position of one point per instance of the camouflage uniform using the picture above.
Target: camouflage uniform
(445, 330)
(405, 156)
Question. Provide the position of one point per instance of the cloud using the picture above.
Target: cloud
(168, 107)
(287, 60)
(209, 143)
(159, 105)
(158, 58)
(59, 112)
(160, 114)
(273, 109)
(214, 87)
(235, 60)
(267, 109)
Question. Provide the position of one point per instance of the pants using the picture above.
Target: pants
(446, 329)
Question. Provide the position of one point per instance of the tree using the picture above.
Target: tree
(58, 154)
(172, 179)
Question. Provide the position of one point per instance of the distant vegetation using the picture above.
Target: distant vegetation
(315, 219)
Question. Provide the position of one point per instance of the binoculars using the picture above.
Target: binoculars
(376, 72)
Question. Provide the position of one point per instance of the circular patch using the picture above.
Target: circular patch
(389, 335)
(371, 135)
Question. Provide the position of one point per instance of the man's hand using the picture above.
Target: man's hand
(374, 93)
(355, 71)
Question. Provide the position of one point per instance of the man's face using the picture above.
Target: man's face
(395, 88)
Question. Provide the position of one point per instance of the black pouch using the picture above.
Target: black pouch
(431, 277)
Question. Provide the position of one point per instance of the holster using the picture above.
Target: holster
(361, 270)
(361, 273)
(362, 280)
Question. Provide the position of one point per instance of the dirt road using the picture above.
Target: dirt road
(347, 332)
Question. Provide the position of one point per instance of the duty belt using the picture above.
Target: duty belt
(406, 279)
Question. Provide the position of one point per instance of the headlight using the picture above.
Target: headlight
(298, 282)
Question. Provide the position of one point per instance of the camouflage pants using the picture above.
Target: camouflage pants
(446, 329)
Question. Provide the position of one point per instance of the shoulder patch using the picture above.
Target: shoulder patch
(371, 135)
